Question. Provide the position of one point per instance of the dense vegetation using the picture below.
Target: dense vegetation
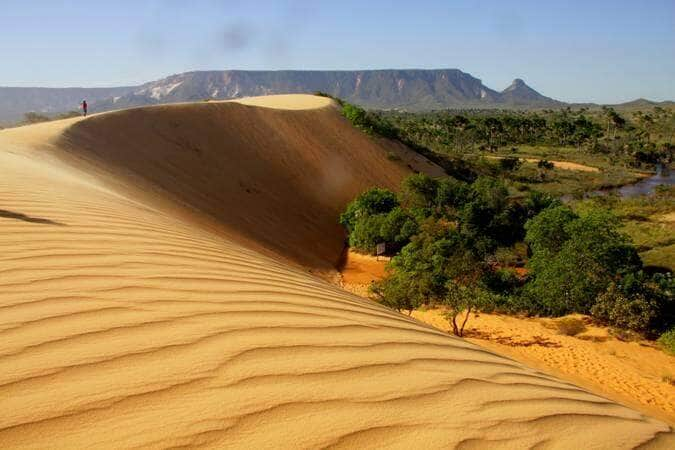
(667, 341)
(486, 239)
(641, 138)
(467, 143)
(458, 244)
(647, 219)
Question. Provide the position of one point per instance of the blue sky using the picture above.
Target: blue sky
(593, 50)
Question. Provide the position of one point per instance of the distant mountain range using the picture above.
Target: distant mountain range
(16, 101)
(412, 90)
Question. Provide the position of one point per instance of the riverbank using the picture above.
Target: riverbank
(574, 174)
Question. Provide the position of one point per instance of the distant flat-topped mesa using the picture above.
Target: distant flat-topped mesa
(156, 292)
(409, 89)
(387, 89)
(402, 89)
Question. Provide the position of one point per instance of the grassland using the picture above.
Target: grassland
(648, 220)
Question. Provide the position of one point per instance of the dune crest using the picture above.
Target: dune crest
(276, 178)
(153, 294)
(291, 102)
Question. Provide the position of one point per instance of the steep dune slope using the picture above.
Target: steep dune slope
(278, 178)
(128, 318)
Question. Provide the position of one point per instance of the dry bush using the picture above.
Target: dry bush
(569, 326)
(625, 335)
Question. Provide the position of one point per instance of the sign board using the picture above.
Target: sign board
(380, 249)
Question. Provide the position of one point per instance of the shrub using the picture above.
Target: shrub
(510, 163)
(356, 115)
(400, 291)
(33, 117)
(487, 219)
(545, 164)
(451, 195)
(570, 326)
(634, 312)
(537, 201)
(574, 259)
(459, 299)
(667, 341)
(69, 115)
(394, 229)
(502, 280)
(506, 256)
(543, 167)
(369, 122)
(418, 192)
(625, 335)
(371, 202)
(397, 229)
(367, 233)
(391, 156)
(546, 232)
(638, 303)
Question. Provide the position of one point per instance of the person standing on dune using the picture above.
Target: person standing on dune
(84, 107)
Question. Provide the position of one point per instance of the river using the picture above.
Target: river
(664, 175)
(646, 186)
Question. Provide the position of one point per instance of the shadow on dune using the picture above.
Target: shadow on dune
(19, 216)
(278, 179)
(513, 342)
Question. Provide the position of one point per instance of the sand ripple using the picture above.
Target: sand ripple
(130, 320)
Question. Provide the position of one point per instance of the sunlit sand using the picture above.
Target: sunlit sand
(156, 292)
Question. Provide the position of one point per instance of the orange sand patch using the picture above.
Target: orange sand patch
(628, 372)
(668, 218)
(359, 271)
(565, 165)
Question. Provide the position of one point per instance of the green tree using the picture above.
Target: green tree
(401, 291)
(451, 195)
(510, 163)
(544, 167)
(367, 233)
(614, 120)
(487, 220)
(546, 232)
(433, 257)
(574, 259)
(397, 229)
(537, 201)
(371, 202)
(419, 193)
(638, 302)
(461, 299)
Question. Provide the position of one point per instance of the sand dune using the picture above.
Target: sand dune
(154, 293)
